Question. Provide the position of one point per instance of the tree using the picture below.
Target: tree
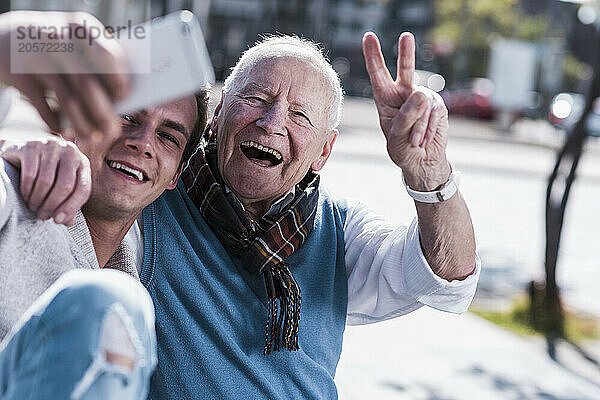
(464, 29)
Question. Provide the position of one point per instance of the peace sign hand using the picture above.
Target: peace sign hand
(413, 119)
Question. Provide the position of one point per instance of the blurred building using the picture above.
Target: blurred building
(114, 12)
(233, 25)
(230, 26)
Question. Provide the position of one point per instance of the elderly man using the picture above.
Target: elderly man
(91, 334)
(250, 240)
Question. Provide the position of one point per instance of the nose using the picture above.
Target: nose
(141, 139)
(273, 121)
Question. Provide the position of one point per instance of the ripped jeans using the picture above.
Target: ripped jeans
(89, 336)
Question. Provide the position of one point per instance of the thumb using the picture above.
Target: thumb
(35, 93)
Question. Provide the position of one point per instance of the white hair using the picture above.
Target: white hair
(295, 47)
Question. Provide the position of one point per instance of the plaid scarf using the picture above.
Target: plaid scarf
(264, 245)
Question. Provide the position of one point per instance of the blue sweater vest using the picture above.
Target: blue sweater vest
(211, 314)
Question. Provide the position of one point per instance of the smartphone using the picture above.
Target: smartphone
(170, 61)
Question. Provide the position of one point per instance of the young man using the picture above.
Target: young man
(90, 335)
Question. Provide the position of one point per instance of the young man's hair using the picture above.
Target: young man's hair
(198, 129)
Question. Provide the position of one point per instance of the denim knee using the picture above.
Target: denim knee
(91, 335)
(114, 297)
(100, 287)
(125, 345)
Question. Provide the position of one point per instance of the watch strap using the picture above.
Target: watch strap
(447, 190)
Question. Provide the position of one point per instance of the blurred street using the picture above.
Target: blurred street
(432, 355)
(504, 178)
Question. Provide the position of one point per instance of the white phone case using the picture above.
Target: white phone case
(170, 63)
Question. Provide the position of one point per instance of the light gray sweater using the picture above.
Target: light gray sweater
(33, 253)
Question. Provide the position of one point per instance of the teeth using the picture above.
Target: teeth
(266, 149)
(138, 174)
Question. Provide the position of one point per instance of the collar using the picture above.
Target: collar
(80, 234)
(277, 205)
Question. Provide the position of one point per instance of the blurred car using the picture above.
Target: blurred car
(472, 99)
(566, 109)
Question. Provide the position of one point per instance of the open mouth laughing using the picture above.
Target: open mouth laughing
(127, 170)
(262, 155)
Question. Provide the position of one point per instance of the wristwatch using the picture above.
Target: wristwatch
(447, 190)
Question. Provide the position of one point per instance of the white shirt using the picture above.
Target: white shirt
(387, 273)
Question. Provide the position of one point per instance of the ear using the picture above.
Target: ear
(326, 151)
(213, 122)
(173, 182)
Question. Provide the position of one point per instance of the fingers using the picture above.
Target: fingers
(50, 117)
(31, 88)
(82, 78)
(376, 68)
(79, 195)
(107, 59)
(412, 118)
(406, 60)
(88, 115)
(420, 128)
(119, 85)
(43, 181)
(96, 106)
(55, 179)
(85, 80)
(62, 186)
(30, 164)
(69, 104)
(437, 119)
(115, 74)
(421, 117)
(26, 161)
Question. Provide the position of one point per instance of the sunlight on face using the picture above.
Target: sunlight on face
(273, 128)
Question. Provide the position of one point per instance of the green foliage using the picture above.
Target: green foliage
(533, 28)
(518, 320)
(469, 26)
(514, 320)
(574, 71)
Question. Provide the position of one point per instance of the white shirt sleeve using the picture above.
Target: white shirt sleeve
(388, 274)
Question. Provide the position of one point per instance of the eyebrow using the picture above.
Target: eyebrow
(255, 86)
(169, 123)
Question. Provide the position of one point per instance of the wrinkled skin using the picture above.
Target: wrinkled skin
(283, 104)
